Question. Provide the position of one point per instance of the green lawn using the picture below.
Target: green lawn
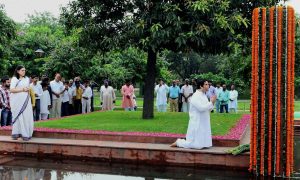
(132, 122)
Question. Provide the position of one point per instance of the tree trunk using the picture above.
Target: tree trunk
(148, 111)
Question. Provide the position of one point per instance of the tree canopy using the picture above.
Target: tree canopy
(7, 34)
(136, 39)
(205, 26)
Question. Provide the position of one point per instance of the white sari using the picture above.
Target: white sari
(21, 108)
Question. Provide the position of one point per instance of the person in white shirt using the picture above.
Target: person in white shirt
(198, 134)
(107, 96)
(38, 91)
(86, 98)
(187, 92)
(71, 91)
(45, 101)
(161, 91)
(65, 100)
(57, 88)
(233, 95)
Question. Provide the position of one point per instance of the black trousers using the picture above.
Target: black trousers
(37, 110)
(65, 109)
(92, 103)
(222, 108)
(77, 106)
(71, 109)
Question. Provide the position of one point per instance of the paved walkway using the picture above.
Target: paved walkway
(246, 138)
(112, 144)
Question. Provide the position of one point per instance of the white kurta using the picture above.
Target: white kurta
(86, 103)
(107, 96)
(161, 94)
(199, 131)
(23, 125)
(72, 93)
(45, 102)
(233, 95)
(186, 91)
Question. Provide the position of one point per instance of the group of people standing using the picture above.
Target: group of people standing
(59, 98)
(179, 96)
(108, 97)
(24, 100)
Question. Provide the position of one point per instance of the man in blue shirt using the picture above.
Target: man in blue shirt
(223, 97)
(173, 96)
(211, 91)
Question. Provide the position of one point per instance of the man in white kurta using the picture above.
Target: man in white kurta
(161, 91)
(45, 102)
(86, 98)
(57, 88)
(107, 97)
(233, 95)
(187, 92)
(199, 131)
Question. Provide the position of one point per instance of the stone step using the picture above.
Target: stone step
(5, 159)
(117, 136)
(110, 151)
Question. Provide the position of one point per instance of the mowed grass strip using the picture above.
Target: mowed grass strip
(121, 121)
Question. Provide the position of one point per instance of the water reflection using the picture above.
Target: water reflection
(43, 174)
(30, 173)
(27, 169)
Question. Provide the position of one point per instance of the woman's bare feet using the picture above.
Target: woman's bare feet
(173, 144)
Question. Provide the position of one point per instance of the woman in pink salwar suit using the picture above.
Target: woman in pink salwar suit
(127, 92)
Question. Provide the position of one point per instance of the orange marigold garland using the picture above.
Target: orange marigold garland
(254, 88)
(288, 106)
(293, 22)
(252, 96)
(270, 91)
(262, 110)
(272, 144)
(278, 128)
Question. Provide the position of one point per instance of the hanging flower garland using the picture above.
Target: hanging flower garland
(270, 111)
(272, 91)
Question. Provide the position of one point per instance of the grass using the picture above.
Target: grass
(131, 122)
(297, 106)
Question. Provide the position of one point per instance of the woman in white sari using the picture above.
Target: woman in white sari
(20, 101)
(199, 131)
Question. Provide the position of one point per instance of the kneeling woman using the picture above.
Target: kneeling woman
(199, 131)
(20, 102)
